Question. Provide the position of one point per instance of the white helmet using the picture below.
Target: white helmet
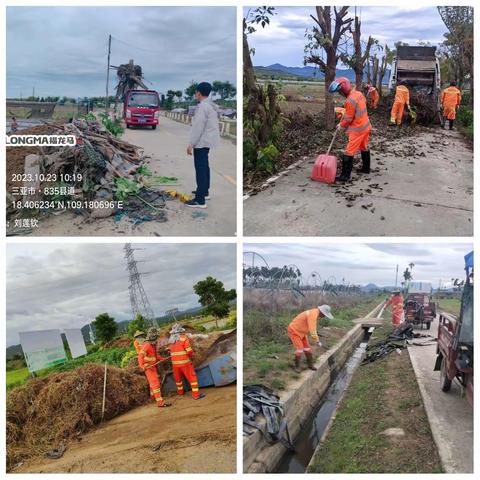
(326, 311)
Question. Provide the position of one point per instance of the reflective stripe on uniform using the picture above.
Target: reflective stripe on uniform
(360, 113)
(352, 101)
(188, 349)
(183, 352)
(359, 129)
(150, 359)
(157, 390)
(180, 362)
(194, 389)
(159, 399)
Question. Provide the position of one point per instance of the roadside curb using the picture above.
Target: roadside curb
(443, 453)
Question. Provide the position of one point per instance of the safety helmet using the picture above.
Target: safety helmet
(341, 85)
(396, 291)
(176, 328)
(152, 334)
(138, 333)
(326, 311)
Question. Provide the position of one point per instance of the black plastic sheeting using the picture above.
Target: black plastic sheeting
(259, 400)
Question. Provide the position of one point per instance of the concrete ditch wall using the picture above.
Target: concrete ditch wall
(299, 402)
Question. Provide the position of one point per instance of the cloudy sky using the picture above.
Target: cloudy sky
(63, 50)
(283, 40)
(367, 263)
(66, 286)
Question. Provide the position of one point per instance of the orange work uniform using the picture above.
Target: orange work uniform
(397, 308)
(402, 98)
(137, 345)
(356, 122)
(451, 98)
(147, 359)
(303, 324)
(182, 352)
(373, 97)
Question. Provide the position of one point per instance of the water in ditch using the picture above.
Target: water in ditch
(309, 437)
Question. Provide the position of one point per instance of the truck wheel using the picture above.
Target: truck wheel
(445, 382)
(154, 127)
(428, 325)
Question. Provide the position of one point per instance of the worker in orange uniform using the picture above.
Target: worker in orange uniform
(396, 301)
(402, 98)
(300, 327)
(372, 96)
(139, 337)
(356, 121)
(182, 353)
(148, 360)
(450, 99)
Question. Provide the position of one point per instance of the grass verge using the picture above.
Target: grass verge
(381, 395)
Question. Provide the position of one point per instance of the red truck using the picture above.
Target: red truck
(455, 341)
(141, 108)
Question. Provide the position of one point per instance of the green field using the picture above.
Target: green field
(449, 305)
(15, 378)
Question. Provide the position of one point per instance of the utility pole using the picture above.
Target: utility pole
(107, 103)
(396, 276)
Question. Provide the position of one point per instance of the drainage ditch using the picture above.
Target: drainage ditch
(311, 434)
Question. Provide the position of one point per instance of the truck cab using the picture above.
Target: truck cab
(141, 108)
(455, 341)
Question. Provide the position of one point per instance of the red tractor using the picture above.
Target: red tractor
(418, 306)
(455, 341)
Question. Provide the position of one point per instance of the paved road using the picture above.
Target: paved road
(167, 148)
(449, 414)
(426, 186)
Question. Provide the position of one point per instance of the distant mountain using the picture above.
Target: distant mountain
(277, 69)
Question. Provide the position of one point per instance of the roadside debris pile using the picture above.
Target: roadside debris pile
(103, 169)
(399, 339)
(261, 400)
(45, 412)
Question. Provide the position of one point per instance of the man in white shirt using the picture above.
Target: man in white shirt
(204, 135)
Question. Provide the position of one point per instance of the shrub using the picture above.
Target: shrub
(266, 158)
(127, 357)
(464, 116)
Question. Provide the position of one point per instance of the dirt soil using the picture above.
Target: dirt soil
(421, 184)
(189, 437)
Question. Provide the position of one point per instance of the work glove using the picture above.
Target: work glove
(339, 127)
(319, 343)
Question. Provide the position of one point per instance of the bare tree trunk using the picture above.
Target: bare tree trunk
(375, 71)
(323, 30)
(249, 83)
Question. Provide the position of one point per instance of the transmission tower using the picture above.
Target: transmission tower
(138, 297)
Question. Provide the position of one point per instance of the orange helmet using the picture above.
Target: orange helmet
(342, 85)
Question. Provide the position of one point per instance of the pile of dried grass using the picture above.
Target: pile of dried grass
(48, 410)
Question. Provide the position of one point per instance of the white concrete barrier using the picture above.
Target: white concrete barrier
(228, 128)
